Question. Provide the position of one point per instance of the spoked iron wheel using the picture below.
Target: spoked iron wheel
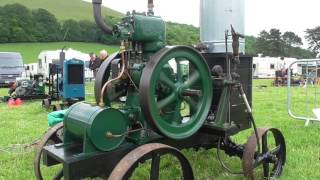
(152, 153)
(272, 158)
(176, 91)
(53, 136)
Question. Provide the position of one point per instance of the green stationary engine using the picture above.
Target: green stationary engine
(153, 99)
(153, 81)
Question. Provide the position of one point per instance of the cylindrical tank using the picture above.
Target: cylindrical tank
(216, 16)
(87, 122)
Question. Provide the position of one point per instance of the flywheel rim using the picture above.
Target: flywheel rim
(152, 108)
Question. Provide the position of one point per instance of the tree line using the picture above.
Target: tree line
(20, 24)
(276, 44)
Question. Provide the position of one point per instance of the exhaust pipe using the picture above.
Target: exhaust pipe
(98, 18)
(150, 7)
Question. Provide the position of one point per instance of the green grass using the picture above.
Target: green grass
(30, 51)
(27, 123)
(64, 9)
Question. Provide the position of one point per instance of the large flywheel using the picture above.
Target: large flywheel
(176, 91)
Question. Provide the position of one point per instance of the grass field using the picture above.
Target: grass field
(62, 9)
(30, 51)
(23, 125)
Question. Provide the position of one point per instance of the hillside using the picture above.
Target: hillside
(35, 29)
(64, 9)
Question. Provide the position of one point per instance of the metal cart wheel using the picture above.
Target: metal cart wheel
(272, 158)
(153, 151)
(52, 136)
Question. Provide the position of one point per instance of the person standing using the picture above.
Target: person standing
(94, 64)
(103, 55)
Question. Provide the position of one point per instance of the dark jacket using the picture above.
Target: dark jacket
(93, 65)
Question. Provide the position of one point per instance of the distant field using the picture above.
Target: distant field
(63, 9)
(30, 51)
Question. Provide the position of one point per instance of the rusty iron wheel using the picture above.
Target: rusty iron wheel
(52, 136)
(153, 151)
(272, 159)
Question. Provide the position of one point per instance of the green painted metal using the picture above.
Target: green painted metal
(175, 82)
(100, 129)
(223, 108)
(167, 88)
(148, 29)
(136, 72)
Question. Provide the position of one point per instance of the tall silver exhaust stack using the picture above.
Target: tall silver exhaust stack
(216, 16)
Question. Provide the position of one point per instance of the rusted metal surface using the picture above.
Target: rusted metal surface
(51, 135)
(152, 151)
(251, 158)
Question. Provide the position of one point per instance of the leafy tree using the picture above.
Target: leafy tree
(291, 39)
(274, 43)
(313, 38)
(250, 45)
(262, 43)
(47, 26)
(4, 31)
(89, 31)
(19, 21)
(71, 30)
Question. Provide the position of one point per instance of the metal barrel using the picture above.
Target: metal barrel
(216, 16)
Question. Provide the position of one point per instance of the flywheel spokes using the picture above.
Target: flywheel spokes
(176, 91)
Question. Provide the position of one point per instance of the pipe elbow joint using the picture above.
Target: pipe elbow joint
(98, 17)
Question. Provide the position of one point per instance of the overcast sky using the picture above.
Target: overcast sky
(286, 15)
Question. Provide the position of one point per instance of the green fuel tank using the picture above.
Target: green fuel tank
(98, 128)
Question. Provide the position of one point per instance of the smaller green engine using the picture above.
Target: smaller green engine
(26, 88)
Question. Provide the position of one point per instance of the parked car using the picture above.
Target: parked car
(11, 67)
